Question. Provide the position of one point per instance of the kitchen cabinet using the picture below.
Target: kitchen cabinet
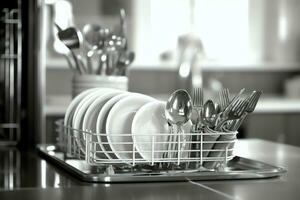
(280, 127)
(266, 126)
(51, 127)
(292, 123)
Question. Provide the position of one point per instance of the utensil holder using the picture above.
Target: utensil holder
(87, 81)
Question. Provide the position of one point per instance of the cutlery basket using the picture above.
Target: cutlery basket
(208, 151)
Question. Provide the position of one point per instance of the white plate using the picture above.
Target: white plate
(90, 117)
(86, 97)
(150, 121)
(119, 122)
(80, 112)
(73, 105)
(101, 124)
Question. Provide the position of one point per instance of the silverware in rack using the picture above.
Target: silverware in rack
(228, 115)
(10, 76)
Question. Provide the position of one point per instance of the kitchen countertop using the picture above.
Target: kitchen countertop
(57, 105)
(39, 179)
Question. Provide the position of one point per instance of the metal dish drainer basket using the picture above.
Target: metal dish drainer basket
(194, 156)
(190, 151)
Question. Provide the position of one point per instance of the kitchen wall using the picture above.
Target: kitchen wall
(278, 126)
(271, 59)
(164, 81)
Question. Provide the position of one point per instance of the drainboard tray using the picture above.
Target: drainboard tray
(237, 168)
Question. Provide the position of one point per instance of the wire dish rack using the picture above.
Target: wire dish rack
(152, 157)
(186, 151)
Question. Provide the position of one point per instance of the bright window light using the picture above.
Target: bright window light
(282, 28)
(223, 28)
(221, 25)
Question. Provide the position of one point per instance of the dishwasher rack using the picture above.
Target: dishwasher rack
(190, 151)
(10, 75)
(76, 152)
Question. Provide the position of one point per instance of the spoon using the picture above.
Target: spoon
(72, 38)
(209, 111)
(178, 111)
(217, 112)
(92, 35)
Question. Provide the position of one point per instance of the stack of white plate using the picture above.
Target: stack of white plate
(112, 113)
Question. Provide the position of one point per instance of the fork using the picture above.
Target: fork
(227, 104)
(224, 98)
(235, 111)
(236, 97)
(198, 104)
(252, 99)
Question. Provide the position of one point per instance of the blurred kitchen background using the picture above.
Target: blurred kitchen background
(253, 44)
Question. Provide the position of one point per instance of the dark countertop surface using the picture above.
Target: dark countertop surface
(25, 175)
